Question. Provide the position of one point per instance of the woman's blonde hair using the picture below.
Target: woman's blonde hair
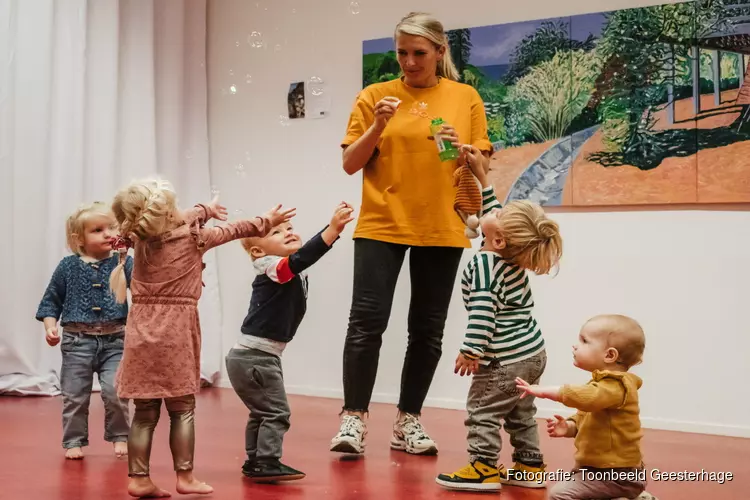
(532, 240)
(426, 26)
(76, 223)
(143, 209)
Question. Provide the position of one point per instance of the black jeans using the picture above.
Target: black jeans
(376, 268)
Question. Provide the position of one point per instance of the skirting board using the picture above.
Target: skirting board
(542, 412)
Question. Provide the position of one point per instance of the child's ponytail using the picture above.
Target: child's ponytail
(118, 282)
(533, 240)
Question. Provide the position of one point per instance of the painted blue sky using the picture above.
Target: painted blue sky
(493, 45)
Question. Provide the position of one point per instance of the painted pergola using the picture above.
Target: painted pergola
(737, 41)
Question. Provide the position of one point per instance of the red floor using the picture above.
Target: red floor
(32, 464)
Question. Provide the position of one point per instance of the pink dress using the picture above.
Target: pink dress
(163, 334)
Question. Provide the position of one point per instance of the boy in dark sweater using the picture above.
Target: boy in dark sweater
(277, 306)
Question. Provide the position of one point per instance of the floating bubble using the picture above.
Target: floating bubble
(255, 39)
(277, 48)
(247, 155)
(284, 120)
(223, 91)
(315, 80)
(354, 8)
(189, 154)
(214, 190)
(239, 213)
(239, 169)
(233, 89)
(231, 72)
(237, 43)
(294, 11)
(316, 90)
(249, 78)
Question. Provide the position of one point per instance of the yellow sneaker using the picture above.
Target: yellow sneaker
(476, 476)
(526, 477)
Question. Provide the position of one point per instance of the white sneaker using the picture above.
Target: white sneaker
(351, 436)
(410, 436)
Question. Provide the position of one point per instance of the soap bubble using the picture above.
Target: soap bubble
(247, 155)
(315, 80)
(284, 120)
(239, 169)
(233, 89)
(189, 154)
(277, 48)
(231, 72)
(294, 11)
(316, 90)
(249, 78)
(255, 40)
(214, 190)
(239, 213)
(354, 7)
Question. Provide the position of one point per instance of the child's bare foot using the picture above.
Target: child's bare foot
(187, 484)
(121, 449)
(74, 453)
(143, 487)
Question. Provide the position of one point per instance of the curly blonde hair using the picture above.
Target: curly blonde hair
(76, 223)
(532, 240)
(143, 209)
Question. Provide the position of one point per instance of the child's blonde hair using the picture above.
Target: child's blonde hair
(142, 209)
(76, 223)
(624, 334)
(532, 240)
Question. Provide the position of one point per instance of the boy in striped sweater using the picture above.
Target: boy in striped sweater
(503, 340)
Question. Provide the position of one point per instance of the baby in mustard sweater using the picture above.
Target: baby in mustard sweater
(607, 427)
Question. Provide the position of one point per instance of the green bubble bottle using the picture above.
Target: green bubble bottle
(446, 150)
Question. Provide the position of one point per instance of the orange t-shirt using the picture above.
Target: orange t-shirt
(407, 192)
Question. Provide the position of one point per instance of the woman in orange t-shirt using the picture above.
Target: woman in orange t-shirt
(407, 204)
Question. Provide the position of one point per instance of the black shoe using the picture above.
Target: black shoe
(247, 467)
(270, 471)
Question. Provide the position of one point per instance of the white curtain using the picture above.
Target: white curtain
(93, 93)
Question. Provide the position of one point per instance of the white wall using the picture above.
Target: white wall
(681, 273)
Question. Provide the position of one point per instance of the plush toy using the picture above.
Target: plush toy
(468, 201)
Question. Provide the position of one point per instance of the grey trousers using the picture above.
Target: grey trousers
(257, 379)
(493, 398)
(82, 356)
(589, 486)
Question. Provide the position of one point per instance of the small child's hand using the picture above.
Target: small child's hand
(277, 216)
(466, 366)
(477, 162)
(552, 393)
(216, 210)
(557, 427)
(342, 217)
(52, 338)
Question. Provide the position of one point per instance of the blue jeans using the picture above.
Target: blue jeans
(82, 356)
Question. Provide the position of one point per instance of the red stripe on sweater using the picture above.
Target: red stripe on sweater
(283, 272)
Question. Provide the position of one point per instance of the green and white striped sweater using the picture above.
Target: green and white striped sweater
(498, 298)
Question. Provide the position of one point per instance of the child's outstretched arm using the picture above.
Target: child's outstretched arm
(283, 269)
(211, 237)
(205, 213)
(594, 396)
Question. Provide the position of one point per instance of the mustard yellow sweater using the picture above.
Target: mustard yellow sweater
(608, 423)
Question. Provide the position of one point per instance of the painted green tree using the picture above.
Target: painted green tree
(541, 46)
(460, 44)
(641, 47)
